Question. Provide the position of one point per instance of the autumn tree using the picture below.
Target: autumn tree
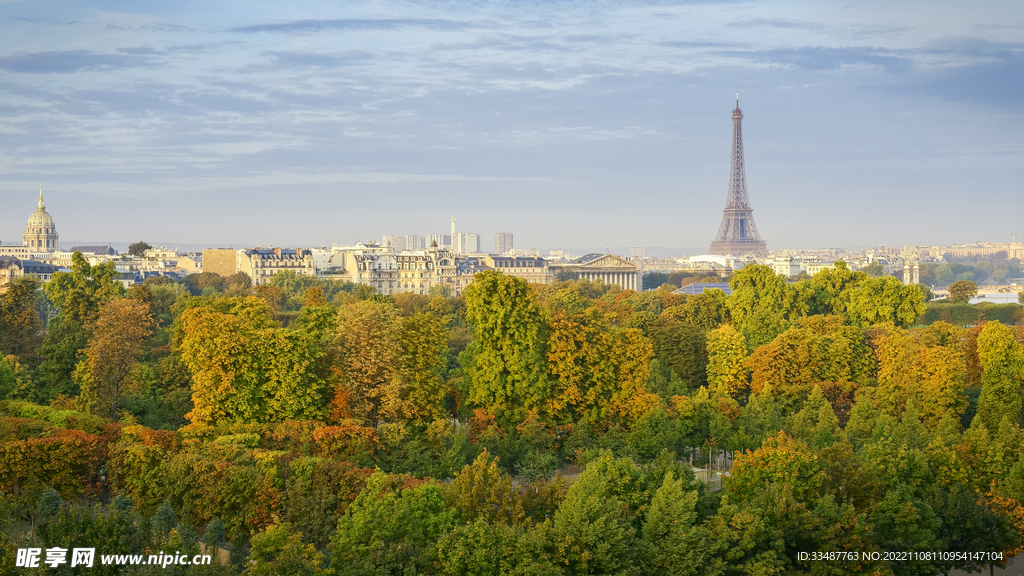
(815, 349)
(925, 366)
(507, 373)
(423, 342)
(727, 359)
(1002, 363)
(706, 310)
(962, 291)
(120, 333)
(248, 369)
(368, 342)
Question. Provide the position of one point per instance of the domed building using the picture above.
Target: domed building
(40, 232)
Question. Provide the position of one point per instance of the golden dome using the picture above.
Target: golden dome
(40, 217)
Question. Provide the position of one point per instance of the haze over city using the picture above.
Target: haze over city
(569, 124)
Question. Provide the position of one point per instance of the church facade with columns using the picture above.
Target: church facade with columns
(607, 268)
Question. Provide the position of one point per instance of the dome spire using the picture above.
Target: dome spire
(40, 205)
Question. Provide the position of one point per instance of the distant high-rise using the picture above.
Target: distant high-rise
(466, 243)
(396, 242)
(738, 234)
(414, 242)
(502, 243)
(636, 252)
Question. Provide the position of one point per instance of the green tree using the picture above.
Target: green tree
(507, 375)
(683, 346)
(884, 300)
(873, 269)
(835, 284)
(761, 304)
(962, 291)
(279, 550)
(389, 529)
(77, 294)
(423, 341)
(138, 248)
(672, 542)
(481, 549)
(21, 330)
(482, 491)
(1002, 364)
(594, 537)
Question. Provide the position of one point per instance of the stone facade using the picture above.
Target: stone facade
(12, 268)
(223, 261)
(607, 268)
(532, 269)
(262, 263)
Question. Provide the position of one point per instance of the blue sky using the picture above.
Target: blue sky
(571, 124)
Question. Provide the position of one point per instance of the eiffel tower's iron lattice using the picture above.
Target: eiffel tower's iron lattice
(738, 234)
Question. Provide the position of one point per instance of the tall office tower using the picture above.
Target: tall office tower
(738, 234)
(472, 243)
(636, 252)
(414, 242)
(502, 243)
(428, 239)
(396, 242)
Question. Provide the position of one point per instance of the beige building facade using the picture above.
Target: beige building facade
(223, 261)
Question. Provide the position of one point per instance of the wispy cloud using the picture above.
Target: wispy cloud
(313, 26)
(74, 61)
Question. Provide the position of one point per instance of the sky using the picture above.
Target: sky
(577, 125)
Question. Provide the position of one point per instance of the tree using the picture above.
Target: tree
(884, 300)
(683, 346)
(834, 285)
(280, 550)
(761, 304)
(919, 365)
(138, 249)
(593, 535)
(962, 291)
(816, 349)
(77, 294)
(246, 368)
(20, 327)
(482, 491)
(727, 359)
(122, 328)
(671, 542)
(507, 374)
(391, 529)
(1002, 364)
(369, 348)
(423, 340)
(873, 269)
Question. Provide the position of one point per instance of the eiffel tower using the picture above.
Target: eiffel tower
(738, 234)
